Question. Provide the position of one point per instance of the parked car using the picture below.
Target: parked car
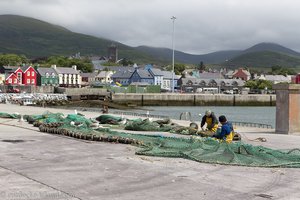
(228, 92)
(13, 90)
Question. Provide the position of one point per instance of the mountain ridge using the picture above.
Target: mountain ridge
(37, 38)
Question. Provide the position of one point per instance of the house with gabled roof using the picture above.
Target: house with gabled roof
(122, 77)
(142, 75)
(242, 74)
(88, 78)
(168, 80)
(158, 76)
(194, 84)
(68, 76)
(29, 75)
(276, 78)
(47, 76)
(15, 75)
(104, 77)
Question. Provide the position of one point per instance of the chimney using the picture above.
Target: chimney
(74, 67)
(53, 66)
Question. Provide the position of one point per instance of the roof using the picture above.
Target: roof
(43, 70)
(226, 82)
(169, 75)
(208, 75)
(144, 73)
(104, 74)
(122, 74)
(230, 73)
(98, 66)
(88, 75)
(66, 70)
(242, 70)
(156, 72)
(25, 68)
(276, 78)
(10, 69)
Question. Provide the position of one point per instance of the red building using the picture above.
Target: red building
(241, 74)
(19, 75)
(29, 75)
(297, 79)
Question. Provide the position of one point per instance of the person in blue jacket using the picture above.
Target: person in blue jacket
(227, 131)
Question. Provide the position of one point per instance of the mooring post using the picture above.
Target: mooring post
(287, 108)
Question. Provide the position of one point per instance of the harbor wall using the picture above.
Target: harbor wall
(167, 99)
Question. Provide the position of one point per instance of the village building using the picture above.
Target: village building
(15, 75)
(88, 79)
(141, 75)
(240, 73)
(194, 85)
(68, 76)
(122, 77)
(47, 76)
(104, 77)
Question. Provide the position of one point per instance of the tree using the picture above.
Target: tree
(279, 70)
(126, 62)
(12, 60)
(251, 84)
(178, 68)
(85, 65)
(258, 84)
(201, 66)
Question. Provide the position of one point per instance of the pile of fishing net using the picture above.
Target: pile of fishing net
(46, 117)
(207, 150)
(164, 125)
(7, 115)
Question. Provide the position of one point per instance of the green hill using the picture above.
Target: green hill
(264, 59)
(35, 38)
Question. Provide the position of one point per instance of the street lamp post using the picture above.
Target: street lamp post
(173, 71)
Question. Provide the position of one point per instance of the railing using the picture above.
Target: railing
(250, 124)
(140, 114)
(185, 116)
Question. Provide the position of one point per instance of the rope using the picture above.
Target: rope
(259, 139)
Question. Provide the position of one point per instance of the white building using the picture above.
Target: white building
(68, 76)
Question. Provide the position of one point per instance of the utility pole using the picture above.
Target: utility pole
(173, 18)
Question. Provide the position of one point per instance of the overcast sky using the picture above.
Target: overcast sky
(202, 26)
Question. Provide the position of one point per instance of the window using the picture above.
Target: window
(32, 73)
(28, 81)
(20, 77)
(32, 81)
(16, 81)
(28, 73)
(10, 80)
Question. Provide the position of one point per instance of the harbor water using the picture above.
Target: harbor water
(262, 115)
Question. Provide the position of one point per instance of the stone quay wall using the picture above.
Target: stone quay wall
(169, 99)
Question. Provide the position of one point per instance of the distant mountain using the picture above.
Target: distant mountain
(166, 54)
(265, 55)
(36, 38)
(272, 47)
(263, 59)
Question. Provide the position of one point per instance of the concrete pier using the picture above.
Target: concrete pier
(287, 108)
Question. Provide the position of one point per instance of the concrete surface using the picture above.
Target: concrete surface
(35, 165)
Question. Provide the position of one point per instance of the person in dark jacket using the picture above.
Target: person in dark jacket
(227, 131)
(211, 123)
